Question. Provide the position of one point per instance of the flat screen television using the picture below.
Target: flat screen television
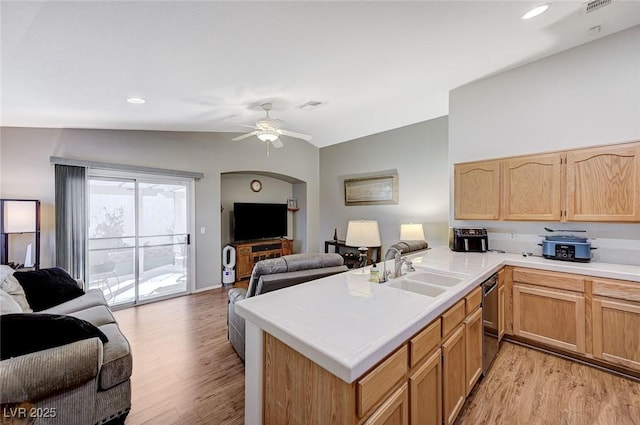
(259, 221)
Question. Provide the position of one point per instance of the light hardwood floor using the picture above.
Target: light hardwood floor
(184, 369)
(185, 372)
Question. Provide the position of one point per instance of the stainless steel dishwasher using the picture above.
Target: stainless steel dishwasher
(489, 321)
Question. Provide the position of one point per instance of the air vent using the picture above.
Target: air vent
(597, 4)
(312, 104)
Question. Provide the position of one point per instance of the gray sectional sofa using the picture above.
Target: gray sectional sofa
(83, 382)
(277, 273)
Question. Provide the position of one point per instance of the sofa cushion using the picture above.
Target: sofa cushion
(7, 304)
(97, 316)
(237, 294)
(268, 283)
(406, 247)
(46, 288)
(11, 286)
(290, 263)
(92, 298)
(117, 363)
(25, 333)
(312, 261)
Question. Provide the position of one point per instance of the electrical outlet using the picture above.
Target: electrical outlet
(203, 230)
(513, 235)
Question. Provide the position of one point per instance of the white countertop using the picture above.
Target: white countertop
(346, 324)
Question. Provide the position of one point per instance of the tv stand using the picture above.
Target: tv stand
(250, 252)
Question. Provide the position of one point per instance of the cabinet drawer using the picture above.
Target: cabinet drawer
(424, 342)
(556, 280)
(621, 289)
(473, 300)
(453, 317)
(381, 380)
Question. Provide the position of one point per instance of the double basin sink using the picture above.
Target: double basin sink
(428, 283)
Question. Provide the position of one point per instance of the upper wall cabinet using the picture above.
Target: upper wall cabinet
(477, 190)
(532, 187)
(603, 184)
(591, 184)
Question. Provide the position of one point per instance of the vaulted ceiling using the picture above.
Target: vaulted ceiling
(208, 65)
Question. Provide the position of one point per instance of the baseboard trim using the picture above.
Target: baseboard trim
(611, 369)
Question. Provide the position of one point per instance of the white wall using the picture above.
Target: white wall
(585, 96)
(418, 153)
(25, 172)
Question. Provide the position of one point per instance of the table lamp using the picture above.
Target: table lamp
(19, 216)
(411, 232)
(363, 234)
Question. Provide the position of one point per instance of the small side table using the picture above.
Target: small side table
(351, 254)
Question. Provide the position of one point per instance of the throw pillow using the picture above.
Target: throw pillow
(11, 286)
(7, 304)
(48, 287)
(26, 333)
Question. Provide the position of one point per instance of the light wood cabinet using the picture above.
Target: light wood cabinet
(477, 190)
(589, 184)
(473, 342)
(249, 253)
(550, 316)
(380, 381)
(501, 308)
(427, 379)
(425, 388)
(603, 183)
(394, 411)
(454, 384)
(532, 187)
(615, 322)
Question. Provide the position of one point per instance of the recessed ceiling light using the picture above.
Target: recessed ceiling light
(136, 100)
(536, 11)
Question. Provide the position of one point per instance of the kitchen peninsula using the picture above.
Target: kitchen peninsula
(347, 335)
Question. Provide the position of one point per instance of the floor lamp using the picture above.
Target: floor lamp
(363, 234)
(18, 217)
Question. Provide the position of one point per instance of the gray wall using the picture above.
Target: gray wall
(585, 96)
(25, 172)
(418, 153)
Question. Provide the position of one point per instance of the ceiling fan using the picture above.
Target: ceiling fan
(268, 130)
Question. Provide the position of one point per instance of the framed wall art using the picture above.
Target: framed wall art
(374, 190)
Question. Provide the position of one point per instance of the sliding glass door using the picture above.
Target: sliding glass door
(138, 238)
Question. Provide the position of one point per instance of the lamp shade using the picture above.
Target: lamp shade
(411, 232)
(19, 216)
(363, 233)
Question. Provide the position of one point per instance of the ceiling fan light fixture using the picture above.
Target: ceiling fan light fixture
(267, 136)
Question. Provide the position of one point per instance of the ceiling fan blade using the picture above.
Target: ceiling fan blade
(277, 143)
(244, 136)
(296, 135)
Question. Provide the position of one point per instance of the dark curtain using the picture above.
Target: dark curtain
(71, 221)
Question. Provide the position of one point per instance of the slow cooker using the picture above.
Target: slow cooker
(567, 248)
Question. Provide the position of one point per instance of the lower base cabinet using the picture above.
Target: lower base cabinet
(473, 342)
(425, 387)
(454, 383)
(550, 316)
(394, 411)
(615, 322)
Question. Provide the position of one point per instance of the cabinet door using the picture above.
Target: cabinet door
(549, 316)
(425, 387)
(245, 262)
(454, 385)
(394, 411)
(603, 184)
(615, 332)
(473, 343)
(532, 186)
(287, 247)
(477, 190)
